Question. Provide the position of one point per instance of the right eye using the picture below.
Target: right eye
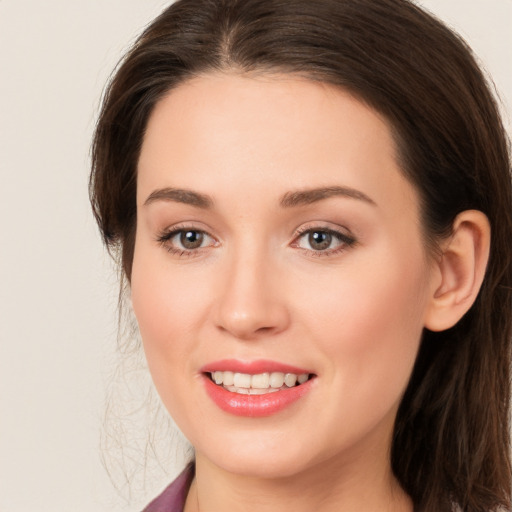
(184, 241)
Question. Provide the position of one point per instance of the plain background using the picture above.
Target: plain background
(58, 289)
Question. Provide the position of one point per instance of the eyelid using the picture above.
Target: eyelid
(344, 236)
(165, 236)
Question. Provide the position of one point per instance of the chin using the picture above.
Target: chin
(258, 458)
(261, 467)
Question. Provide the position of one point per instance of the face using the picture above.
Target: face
(277, 239)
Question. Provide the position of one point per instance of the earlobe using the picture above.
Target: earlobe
(460, 270)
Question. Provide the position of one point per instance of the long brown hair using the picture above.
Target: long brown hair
(451, 440)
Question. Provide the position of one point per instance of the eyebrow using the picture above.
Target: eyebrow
(309, 196)
(179, 195)
(288, 200)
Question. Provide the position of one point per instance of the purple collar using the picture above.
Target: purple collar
(173, 497)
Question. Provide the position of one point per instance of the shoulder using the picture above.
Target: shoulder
(173, 497)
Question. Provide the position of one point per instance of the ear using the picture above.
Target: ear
(459, 272)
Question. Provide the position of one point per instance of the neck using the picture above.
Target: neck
(327, 487)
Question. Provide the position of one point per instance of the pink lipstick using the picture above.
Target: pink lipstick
(257, 388)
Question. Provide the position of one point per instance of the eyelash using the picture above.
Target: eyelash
(166, 236)
(345, 241)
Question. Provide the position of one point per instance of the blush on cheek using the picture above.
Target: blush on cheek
(378, 326)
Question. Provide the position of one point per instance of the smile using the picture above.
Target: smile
(259, 384)
(257, 388)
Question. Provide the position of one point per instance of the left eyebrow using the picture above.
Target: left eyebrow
(309, 196)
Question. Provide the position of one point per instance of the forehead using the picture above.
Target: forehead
(228, 133)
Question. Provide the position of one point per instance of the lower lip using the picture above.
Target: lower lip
(255, 406)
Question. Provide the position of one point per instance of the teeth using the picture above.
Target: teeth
(229, 378)
(303, 378)
(242, 380)
(250, 391)
(276, 380)
(258, 384)
(260, 381)
(290, 379)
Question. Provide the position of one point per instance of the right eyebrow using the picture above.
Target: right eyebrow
(180, 195)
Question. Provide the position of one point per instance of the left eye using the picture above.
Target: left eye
(323, 240)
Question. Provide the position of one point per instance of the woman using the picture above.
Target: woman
(312, 206)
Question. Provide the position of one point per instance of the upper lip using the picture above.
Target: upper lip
(251, 367)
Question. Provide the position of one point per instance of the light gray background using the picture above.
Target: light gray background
(57, 286)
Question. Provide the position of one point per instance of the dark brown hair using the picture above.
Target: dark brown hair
(451, 440)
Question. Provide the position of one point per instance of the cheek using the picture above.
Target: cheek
(165, 299)
(171, 303)
(372, 323)
(162, 306)
(161, 312)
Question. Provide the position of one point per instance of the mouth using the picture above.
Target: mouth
(257, 388)
(257, 384)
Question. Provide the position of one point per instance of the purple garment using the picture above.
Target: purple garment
(174, 496)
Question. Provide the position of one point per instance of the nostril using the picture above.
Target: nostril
(264, 330)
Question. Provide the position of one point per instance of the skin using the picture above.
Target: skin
(256, 289)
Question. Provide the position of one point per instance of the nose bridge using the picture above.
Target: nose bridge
(250, 303)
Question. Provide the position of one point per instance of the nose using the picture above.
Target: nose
(252, 300)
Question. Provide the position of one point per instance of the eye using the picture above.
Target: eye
(190, 239)
(183, 241)
(323, 240)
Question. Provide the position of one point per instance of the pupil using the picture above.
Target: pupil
(320, 240)
(191, 239)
